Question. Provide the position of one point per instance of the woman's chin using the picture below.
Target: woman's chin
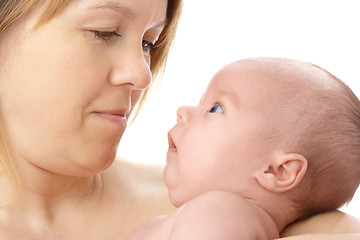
(88, 166)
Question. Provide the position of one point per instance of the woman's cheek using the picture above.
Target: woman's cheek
(135, 97)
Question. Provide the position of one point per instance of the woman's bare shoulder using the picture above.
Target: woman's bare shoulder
(135, 192)
(325, 236)
(329, 222)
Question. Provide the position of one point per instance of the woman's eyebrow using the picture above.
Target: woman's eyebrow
(116, 6)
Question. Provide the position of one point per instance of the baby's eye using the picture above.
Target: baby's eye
(217, 108)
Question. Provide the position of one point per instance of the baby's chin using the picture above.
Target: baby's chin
(176, 198)
(179, 197)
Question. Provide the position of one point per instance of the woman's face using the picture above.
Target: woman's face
(66, 88)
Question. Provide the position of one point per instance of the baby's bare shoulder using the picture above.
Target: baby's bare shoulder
(221, 215)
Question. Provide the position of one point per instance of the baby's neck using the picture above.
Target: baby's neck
(280, 209)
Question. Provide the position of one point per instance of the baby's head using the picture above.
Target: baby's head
(269, 125)
(319, 118)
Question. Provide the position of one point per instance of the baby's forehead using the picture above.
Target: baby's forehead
(245, 74)
(272, 84)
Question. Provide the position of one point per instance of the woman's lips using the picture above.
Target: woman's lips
(118, 117)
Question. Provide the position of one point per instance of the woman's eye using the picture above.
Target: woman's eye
(217, 108)
(148, 46)
(105, 36)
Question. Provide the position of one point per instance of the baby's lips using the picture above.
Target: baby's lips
(171, 142)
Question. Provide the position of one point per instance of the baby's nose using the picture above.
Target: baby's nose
(183, 114)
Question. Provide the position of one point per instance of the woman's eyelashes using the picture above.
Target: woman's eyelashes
(148, 46)
(217, 108)
(108, 36)
(105, 36)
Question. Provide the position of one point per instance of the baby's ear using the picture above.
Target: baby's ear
(283, 173)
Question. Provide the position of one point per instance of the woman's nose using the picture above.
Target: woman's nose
(183, 114)
(131, 67)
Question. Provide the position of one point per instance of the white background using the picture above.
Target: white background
(213, 33)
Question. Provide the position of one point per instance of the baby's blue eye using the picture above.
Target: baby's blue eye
(216, 109)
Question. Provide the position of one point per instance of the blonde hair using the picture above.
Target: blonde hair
(13, 11)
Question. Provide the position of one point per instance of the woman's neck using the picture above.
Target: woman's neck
(109, 205)
(45, 200)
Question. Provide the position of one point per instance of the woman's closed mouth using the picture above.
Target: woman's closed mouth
(118, 116)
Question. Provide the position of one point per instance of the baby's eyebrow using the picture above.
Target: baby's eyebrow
(116, 6)
(232, 96)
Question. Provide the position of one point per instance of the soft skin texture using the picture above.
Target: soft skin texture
(213, 215)
(81, 96)
(329, 222)
(65, 93)
(329, 236)
(208, 149)
(54, 83)
(227, 133)
(223, 172)
(120, 199)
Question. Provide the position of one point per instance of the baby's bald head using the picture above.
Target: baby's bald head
(313, 113)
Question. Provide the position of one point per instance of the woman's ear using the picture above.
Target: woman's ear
(284, 173)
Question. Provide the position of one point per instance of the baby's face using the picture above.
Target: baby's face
(219, 144)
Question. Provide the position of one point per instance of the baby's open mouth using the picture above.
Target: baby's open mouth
(171, 143)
